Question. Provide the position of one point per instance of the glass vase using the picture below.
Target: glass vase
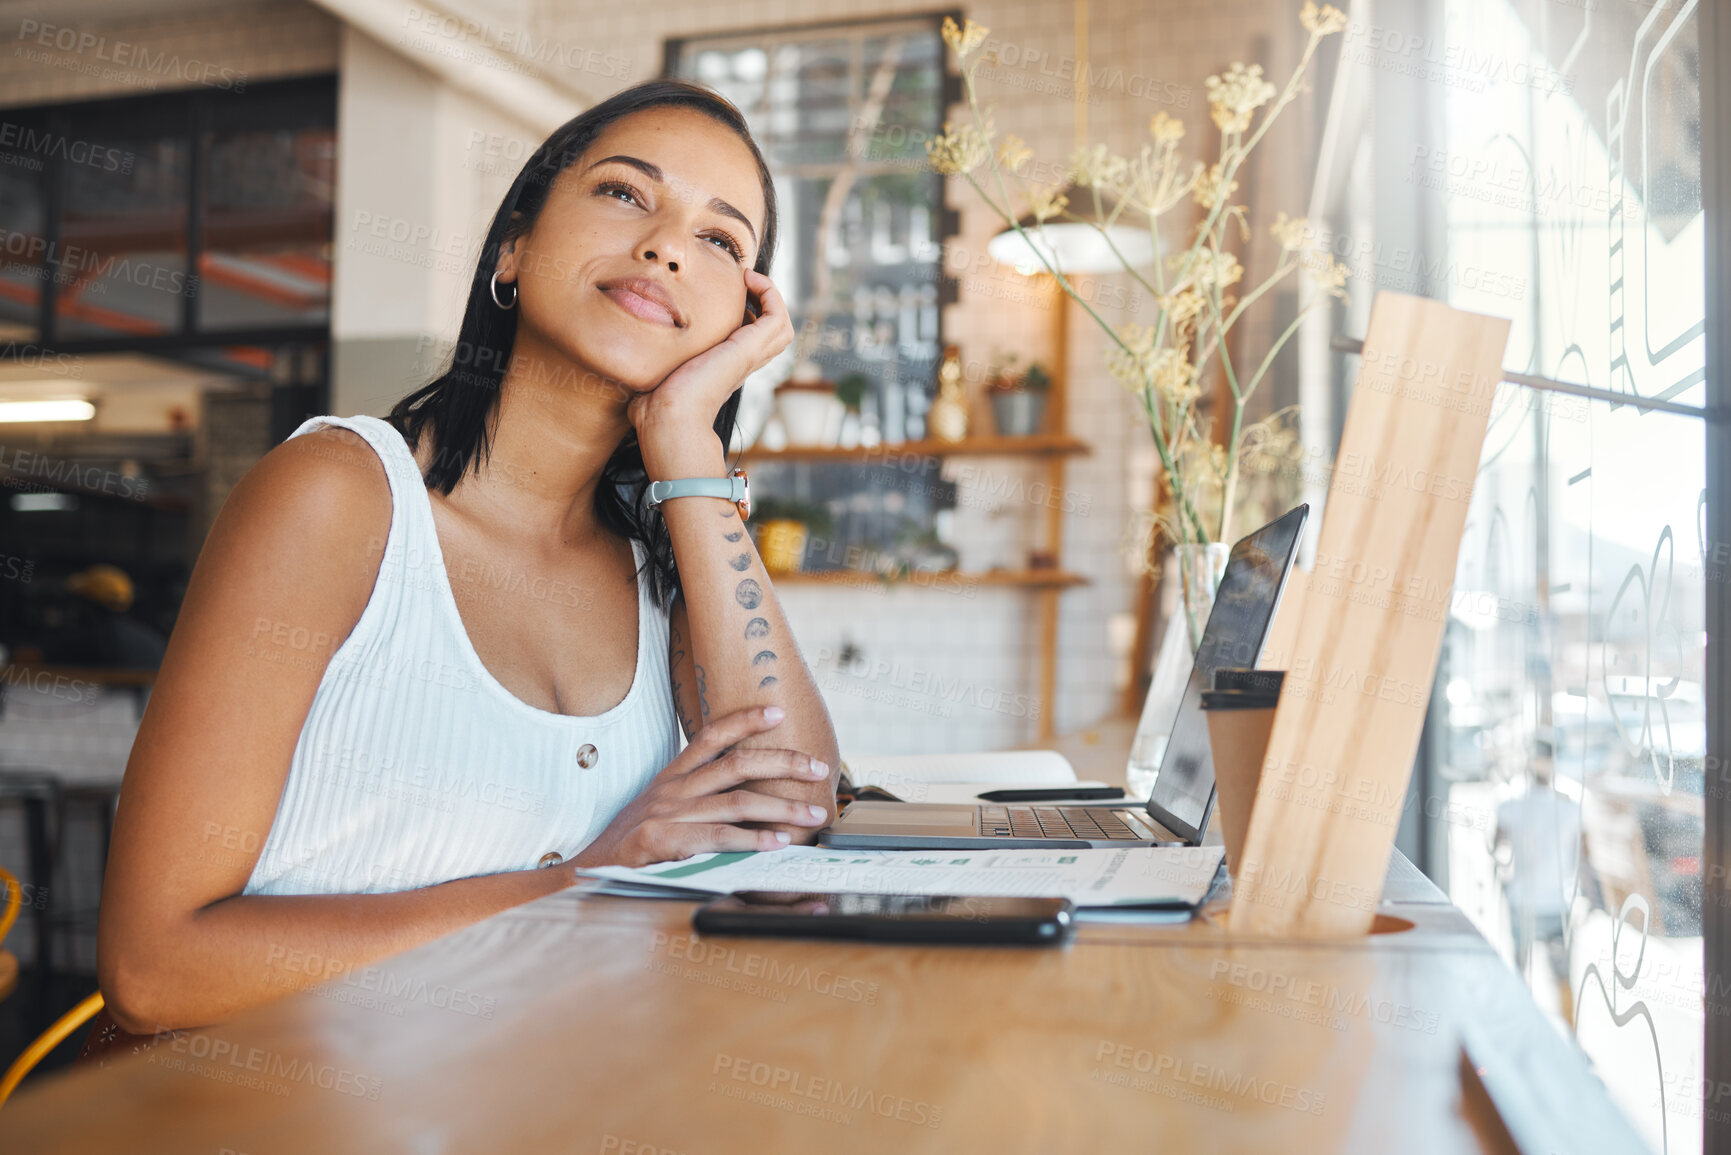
(1194, 573)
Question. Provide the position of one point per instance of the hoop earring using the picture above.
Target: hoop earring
(493, 288)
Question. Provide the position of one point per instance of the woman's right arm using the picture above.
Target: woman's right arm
(283, 576)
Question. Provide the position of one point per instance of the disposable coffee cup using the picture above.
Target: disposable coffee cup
(1240, 711)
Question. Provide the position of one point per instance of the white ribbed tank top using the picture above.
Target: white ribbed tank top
(416, 766)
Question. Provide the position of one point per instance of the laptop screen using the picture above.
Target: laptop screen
(1244, 605)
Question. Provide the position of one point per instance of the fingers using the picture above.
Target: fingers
(677, 840)
(710, 823)
(741, 766)
(767, 293)
(774, 322)
(751, 806)
(725, 731)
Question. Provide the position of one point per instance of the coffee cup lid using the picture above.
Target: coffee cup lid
(1242, 689)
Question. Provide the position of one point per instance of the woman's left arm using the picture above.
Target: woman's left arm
(732, 647)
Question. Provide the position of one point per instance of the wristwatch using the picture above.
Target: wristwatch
(733, 487)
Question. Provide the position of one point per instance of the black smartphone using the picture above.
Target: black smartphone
(923, 918)
(1053, 794)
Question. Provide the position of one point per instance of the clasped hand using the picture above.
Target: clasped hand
(695, 804)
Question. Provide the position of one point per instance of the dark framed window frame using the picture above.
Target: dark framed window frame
(1715, 40)
(189, 117)
(945, 221)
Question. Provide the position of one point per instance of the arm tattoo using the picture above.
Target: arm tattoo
(678, 702)
(741, 563)
(702, 697)
(763, 656)
(767, 682)
(749, 594)
(734, 536)
(756, 628)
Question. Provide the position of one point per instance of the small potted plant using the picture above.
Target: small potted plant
(782, 527)
(850, 390)
(1019, 398)
(808, 407)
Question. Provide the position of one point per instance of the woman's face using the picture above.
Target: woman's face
(667, 195)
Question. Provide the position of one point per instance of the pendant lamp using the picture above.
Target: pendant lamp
(1074, 246)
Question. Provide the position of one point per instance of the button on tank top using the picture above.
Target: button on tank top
(416, 766)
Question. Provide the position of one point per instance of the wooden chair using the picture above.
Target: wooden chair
(8, 916)
(62, 1027)
(46, 1042)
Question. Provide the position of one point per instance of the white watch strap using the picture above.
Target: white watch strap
(731, 488)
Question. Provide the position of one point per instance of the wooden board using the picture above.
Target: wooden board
(1363, 655)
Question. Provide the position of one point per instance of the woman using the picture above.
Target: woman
(427, 669)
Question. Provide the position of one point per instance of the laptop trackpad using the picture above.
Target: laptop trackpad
(912, 818)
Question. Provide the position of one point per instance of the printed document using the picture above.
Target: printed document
(1134, 876)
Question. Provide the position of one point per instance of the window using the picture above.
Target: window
(1550, 172)
(842, 114)
(168, 220)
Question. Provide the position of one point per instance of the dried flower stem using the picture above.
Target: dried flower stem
(1164, 364)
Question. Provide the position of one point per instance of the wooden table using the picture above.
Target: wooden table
(589, 1024)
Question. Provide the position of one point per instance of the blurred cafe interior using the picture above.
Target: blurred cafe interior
(220, 219)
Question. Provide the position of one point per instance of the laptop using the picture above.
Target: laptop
(1183, 796)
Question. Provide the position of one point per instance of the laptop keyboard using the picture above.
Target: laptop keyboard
(1054, 822)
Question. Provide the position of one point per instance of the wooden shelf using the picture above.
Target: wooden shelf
(1040, 445)
(949, 580)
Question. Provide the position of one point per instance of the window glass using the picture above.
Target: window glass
(122, 252)
(842, 117)
(23, 227)
(268, 205)
(1543, 164)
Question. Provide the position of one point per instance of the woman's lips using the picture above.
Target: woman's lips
(639, 306)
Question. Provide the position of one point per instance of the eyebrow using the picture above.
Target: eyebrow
(654, 173)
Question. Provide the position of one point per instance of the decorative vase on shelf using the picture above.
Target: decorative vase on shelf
(1197, 570)
(948, 419)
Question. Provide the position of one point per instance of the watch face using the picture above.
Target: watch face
(744, 502)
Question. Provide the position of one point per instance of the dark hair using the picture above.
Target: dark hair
(459, 406)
